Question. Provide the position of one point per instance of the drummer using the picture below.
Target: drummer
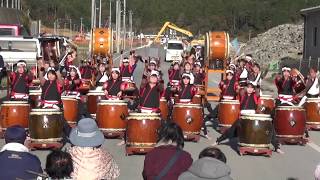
(101, 75)
(149, 101)
(72, 82)
(127, 68)
(285, 85)
(255, 76)
(151, 66)
(312, 86)
(51, 90)
(248, 105)
(186, 90)
(20, 82)
(86, 70)
(112, 87)
(198, 73)
(188, 69)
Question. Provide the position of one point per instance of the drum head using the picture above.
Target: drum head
(35, 92)
(16, 103)
(45, 111)
(266, 97)
(143, 116)
(290, 108)
(187, 105)
(112, 102)
(95, 93)
(309, 100)
(227, 101)
(261, 117)
(71, 98)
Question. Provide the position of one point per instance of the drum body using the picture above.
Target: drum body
(290, 121)
(228, 112)
(93, 98)
(189, 117)
(101, 41)
(128, 86)
(255, 130)
(142, 129)
(70, 109)
(164, 110)
(111, 115)
(217, 45)
(35, 98)
(45, 125)
(266, 104)
(14, 113)
(312, 107)
(200, 90)
(197, 99)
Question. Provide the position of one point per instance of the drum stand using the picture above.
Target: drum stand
(314, 127)
(243, 150)
(130, 150)
(223, 129)
(191, 137)
(293, 140)
(34, 145)
(113, 134)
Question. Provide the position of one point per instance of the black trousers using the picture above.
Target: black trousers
(232, 132)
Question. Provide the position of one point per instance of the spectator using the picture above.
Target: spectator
(2, 69)
(59, 165)
(15, 160)
(317, 172)
(167, 160)
(90, 161)
(211, 165)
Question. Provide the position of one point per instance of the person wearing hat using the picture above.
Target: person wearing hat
(198, 73)
(151, 66)
(229, 87)
(15, 160)
(51, 89)
(86, 70)
(127, 68)
(112, 87)
(248, 105)
(90, 160)
(186, 90)
(149, 99)
(101, 75)
(188, 69)
(256, 76)
(285, 85)
(20, 82)
(72, 82)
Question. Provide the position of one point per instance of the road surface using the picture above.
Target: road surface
(297, 163)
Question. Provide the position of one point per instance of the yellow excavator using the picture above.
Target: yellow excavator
(174, 27)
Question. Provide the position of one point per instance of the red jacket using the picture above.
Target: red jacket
(158, 158)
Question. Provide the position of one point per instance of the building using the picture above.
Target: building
(311, 47)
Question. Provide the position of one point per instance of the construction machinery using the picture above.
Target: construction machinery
(174, 27)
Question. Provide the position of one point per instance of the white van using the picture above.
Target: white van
(174, 50)
(13, 49)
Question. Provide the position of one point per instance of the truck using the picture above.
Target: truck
(174, 49)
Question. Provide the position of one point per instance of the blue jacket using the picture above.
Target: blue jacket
(14, 164)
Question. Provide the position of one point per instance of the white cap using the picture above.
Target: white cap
(154, 72)
(125, 59)
(21, 63)
(197, 63)
(229, 71)
(186, 75)
(232, 65)
(253, 83)
(286, 69)
(78, 72)
(248, 58)
(153, 61)
(115, 70)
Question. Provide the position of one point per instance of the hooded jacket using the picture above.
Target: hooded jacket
(207, 168)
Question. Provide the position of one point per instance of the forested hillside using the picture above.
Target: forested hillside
(199, 16)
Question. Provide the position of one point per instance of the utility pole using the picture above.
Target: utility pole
(19, 4)
(81, 25)
(93, 13)
(130, 29)
(12, 3)
(2, 3)
(124, 25)
(118, 24)
(100, 14)
(110, 14)
(7, 3)
(70, 27)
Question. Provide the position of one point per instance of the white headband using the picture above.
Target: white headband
(115, 70)
(229, 71)
(78, 72)
(186, 75)
(21, 64)
(249, 58)
(153, 72)
(286, 69)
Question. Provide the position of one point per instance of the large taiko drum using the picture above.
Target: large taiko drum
(94, 97)
(45, 125)
(217, 45)
(228, 112)
(312, 107)
(266, 104)
(14, 113)
(255, 130)
(164, 110)
(290, 121)
(101, 41)
(70, 109)
(111, 116)
(142, 130)
(189, 117)
(200, 89)
(196, 99)
(35, 98)
(300, 85)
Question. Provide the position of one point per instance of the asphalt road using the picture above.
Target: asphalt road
(297, 163)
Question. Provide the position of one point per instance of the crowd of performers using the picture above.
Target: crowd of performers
(242, 82)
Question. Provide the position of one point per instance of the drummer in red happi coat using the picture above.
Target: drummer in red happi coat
(112, 87)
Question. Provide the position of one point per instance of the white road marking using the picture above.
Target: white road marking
(314, 146)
